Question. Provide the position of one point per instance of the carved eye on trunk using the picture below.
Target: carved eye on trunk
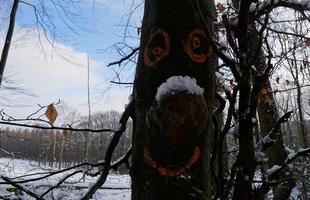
(157, 48)
(197, 46)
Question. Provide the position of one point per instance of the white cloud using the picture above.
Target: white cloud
(41, 68)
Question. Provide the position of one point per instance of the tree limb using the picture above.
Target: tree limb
(106, 167)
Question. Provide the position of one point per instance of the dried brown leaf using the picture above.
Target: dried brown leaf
(51, 113)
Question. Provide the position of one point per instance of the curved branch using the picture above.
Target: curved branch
(108, 157)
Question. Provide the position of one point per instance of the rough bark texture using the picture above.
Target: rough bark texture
(303, 129)
(246, 157)
(173, 42)
(276, 154)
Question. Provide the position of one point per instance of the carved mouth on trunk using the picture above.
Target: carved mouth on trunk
(172, 172)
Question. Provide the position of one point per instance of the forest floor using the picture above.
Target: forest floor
(117, 187)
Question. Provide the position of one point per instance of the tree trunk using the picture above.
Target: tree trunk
(173, 43)
(8, 39)
(247, 109)
(302, 126)
(276, 153)
(268, 116)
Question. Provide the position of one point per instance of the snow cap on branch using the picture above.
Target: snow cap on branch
(179, 84)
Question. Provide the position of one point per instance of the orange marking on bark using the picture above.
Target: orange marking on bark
(154, 55)
(157, 51)
(168, 172)
(194, 43)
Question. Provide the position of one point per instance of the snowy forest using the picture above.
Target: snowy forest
(217, 106)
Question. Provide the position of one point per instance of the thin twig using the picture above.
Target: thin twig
(119, 62)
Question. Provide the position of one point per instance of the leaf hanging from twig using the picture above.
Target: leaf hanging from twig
(51, 113)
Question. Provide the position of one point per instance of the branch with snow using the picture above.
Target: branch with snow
(267, 6)
(268, 140)
(121, 160)
(275, 170)
(290, 158)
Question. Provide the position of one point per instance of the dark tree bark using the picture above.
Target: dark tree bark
(8, 39)
(303, 130)
(173, 43)
(247, 109)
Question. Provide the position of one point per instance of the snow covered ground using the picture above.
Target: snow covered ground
(117, 187)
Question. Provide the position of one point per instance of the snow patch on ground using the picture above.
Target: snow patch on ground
(117, 187)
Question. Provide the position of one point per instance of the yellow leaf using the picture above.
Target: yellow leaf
(51, 113)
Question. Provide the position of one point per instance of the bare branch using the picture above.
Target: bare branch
(106, 167)
(119, 62)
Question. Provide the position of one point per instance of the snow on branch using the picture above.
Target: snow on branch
(267, 141)
(176, 84)
(275, 169)
(268, 5)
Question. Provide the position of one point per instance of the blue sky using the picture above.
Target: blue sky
(98, 24)
(41, 69)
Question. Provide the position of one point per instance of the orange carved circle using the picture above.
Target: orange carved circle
(153, 54)
(169, 172)
(195, 48)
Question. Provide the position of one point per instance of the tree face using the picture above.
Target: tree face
(172, 134)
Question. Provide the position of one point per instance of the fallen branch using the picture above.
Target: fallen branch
(48, 175)
(60, 182)
(27, 191)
